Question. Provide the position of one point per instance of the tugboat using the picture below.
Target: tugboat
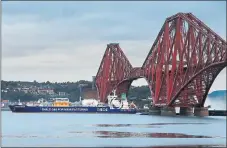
(114, 105)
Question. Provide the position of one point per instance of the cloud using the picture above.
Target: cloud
(66, 41)
(67, 45)
(29, 33)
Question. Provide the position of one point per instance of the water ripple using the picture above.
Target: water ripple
(142, 125)
(116, 134)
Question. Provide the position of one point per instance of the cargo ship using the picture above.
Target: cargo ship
(63, 105)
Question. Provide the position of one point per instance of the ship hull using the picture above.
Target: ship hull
(80, 109)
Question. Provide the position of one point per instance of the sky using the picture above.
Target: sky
(65, 41)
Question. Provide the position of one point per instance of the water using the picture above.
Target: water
(51, 129)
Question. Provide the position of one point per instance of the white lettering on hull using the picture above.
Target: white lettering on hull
(102, 109)
(55, 109)
(62, 109)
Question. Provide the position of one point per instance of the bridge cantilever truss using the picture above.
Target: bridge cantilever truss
(180, 68)
(114, 68)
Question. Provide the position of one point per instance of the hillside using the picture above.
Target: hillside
(218, 94)
(30, 91)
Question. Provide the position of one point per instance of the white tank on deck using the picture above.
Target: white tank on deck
(89, 102)
(116, 103)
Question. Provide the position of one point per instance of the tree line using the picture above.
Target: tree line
(71, 88)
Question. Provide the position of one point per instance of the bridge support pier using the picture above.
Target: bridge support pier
(168, 111)
(154, 110)
(201, 111)
(186, 111)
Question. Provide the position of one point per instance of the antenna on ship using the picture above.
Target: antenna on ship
(80, 86)
(80, 92)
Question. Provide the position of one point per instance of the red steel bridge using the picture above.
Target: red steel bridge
(180, 68)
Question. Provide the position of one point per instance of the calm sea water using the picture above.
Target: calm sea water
(46, 129)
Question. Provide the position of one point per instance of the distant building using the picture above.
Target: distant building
(46, 91)
(5, 101)
(62, 93)
(88, 93)
(25, 90)
(4, 91)
(33, 91)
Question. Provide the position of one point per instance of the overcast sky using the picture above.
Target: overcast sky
(65, 41)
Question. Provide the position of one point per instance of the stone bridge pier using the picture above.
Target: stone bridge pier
(201, 111)
(186, 111)
(168, 111)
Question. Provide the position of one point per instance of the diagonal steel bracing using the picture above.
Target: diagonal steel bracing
(180, 68)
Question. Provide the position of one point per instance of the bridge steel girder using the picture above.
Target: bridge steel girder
(114, 68)
(180, 68)
(179, 65)
(124, 85)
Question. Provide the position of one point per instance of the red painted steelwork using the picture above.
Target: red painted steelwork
(114, 68)
(180, 68)
(179, 65)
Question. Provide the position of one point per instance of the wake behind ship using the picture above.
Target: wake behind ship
(63, 105)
